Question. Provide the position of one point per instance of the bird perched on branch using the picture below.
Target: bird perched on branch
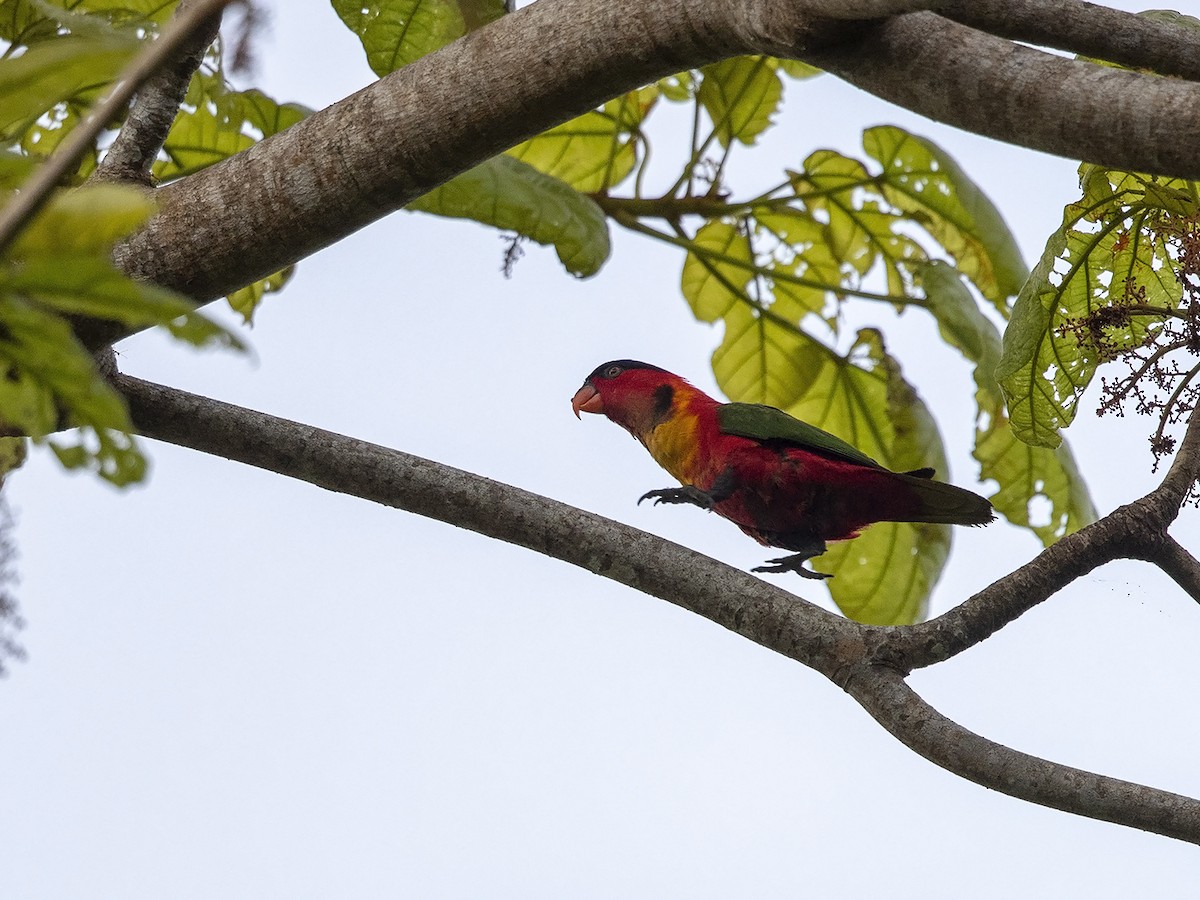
(784, 482)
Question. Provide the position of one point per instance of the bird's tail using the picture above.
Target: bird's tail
(941, 503)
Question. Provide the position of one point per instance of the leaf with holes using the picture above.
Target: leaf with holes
(1110, 253)
(921, 180)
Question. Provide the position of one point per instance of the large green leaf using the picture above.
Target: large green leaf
(740, 95)
(923, 181)
(595, 151)
(1037, 487)
(884, 576)
(509, 194)
(397, 32)
(1112, 251)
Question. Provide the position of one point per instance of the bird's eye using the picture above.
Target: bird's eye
(612, 371)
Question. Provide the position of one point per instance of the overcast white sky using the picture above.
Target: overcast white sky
(244, 687)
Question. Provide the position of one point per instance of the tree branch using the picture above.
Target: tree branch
(921, 728)
(1173, 559)
(1084, 28)
(734, 599)
(141, 137)
(1135, 531)
(379, 149)
(851, 655)
(991, 86)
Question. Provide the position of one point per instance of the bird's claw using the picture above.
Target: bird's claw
(795, 564)
(685, 494)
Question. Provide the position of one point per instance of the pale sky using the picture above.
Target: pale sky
(241, 686)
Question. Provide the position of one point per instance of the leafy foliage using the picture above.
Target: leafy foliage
(1108, 281)
(59, 265)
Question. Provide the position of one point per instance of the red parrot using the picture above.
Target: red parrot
(784, 482)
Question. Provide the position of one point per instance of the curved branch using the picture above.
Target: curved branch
(1135, 531)
(921, 728)
(1084, 28)
(1173, 559)
(845, 652)
(734, 599)
(376, 151)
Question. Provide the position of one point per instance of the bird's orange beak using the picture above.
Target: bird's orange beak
(587, 399)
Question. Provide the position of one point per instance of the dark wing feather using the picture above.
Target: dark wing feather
(766, 423)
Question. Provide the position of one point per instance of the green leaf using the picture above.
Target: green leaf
(60, 266)
(886, 575)
(595, 151)
(740, 95)
(509, 194)
(1037, 487)
(793, 68)
(924, 182)
(45, 368)
(86, 219)
(860, 229)
(712, 285)
(246, 300)
(88, 285)
(52, 71)
(397, 32)
(1108, 254)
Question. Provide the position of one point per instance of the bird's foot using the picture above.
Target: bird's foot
(686, 494)
(795, 563)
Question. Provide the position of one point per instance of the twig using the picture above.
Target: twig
(34, 194)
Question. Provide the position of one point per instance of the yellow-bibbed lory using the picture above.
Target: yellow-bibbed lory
(784, 482)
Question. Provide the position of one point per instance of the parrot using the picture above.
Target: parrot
(784, 482)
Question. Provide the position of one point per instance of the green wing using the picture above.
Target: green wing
(766, 423)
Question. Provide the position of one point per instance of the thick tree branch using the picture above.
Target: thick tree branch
(885, 695)
(993, 87)
(853, 656)
(379, 149)
(141, 137)
(1089, 30)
